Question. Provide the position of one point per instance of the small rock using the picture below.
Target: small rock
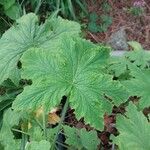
(118, 40)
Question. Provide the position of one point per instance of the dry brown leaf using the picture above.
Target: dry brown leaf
(53, 118)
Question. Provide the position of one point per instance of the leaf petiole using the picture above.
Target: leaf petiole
(61, 121)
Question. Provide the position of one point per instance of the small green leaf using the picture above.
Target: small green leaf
(118, 65)
(81, 139)
(42, 145)
(36, 134)
(93, 27)
(135, 45)
(93, 17)
(134, 130)
(139, 85)
(10, 119)
(106, 20)
(138, 56)
(13, 12)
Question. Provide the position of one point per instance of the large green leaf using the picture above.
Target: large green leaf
(75, 71)
(134, 130)
(139, 85)
(81, 139)
(27, 33)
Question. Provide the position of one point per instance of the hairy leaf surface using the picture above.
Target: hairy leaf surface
(75, 71)
(27, 33)
(134, 130)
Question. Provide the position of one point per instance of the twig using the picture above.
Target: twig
(147, 5)
(96, 40)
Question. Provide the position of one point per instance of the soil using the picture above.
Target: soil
(137, 27)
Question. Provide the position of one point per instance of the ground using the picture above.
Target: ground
(136, 27)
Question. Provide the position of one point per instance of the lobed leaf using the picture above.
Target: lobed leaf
(139, 57)
(139, 85)
(134, 130)
(27, 33)
(81, 139)
(74, 70)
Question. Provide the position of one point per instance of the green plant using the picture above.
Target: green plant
(138, 72)
(78, 62)
(139, 57)
(100, 23)
(97, 24)
(76, 59)
(11, 8)
(8, 93)
(19, 43)
(4, 25)
(78, 138)
(134, 130)
(67, 8)
(136, 11)
(92, 25)
(132, 69)
(59, 68)
(106, 7)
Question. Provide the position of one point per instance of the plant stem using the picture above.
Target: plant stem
(20, 131)
(61, 121)
(38, 6)
(57, 4)
(71, 9)
(61, 144)
(82, 6)
(44, 125)
(25, 136)
(24, 141)
(40, 125)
